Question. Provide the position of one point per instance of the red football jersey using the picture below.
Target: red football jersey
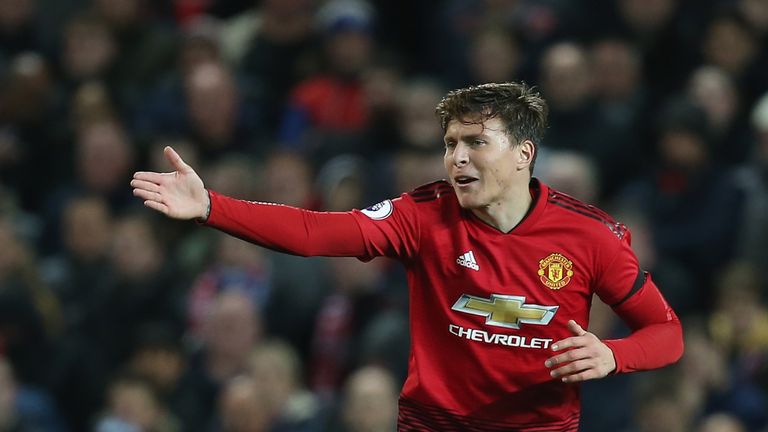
(486, 306)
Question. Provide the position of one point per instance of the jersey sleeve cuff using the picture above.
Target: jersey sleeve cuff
(614, 346)
(212, 196)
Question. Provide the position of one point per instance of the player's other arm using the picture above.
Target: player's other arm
(657, 335)
(656, 339)
(182, 195)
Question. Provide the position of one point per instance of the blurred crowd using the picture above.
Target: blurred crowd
(115, 319)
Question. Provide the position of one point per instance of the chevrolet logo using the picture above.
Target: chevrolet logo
(505, 310)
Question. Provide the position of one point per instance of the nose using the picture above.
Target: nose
(460, 155)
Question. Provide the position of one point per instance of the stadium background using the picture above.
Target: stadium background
(113, 318)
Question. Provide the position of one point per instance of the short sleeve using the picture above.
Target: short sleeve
(390, 228)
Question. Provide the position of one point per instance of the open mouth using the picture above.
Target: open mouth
(464, 180)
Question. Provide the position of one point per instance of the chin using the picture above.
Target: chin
(469, 202)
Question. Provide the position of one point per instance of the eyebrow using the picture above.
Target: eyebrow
(468, 137)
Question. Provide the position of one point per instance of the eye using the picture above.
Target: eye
(478, 142)
(450, 144)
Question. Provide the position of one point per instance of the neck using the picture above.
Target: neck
(506, 214)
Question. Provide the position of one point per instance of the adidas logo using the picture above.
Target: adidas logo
(468, 260)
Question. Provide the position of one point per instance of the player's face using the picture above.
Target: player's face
(481, 162)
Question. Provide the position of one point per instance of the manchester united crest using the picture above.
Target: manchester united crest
(555, 271)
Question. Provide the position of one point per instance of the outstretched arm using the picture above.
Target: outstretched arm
(182, 195)
(179, 194)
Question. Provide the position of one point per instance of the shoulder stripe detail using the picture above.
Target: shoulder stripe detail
(617, 228)
(639, 282)
(417, 417)
(555, 195)
(431, 191)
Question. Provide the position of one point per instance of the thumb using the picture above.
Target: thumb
(176, 162)
(574, 327)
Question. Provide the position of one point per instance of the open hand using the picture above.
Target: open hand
(584, 357)
(179, 194)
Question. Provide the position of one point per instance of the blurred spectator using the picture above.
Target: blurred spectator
(578, 122)
(28, 128)
(753, 180)
(622, 104)
(159, 358)
(274, 44)
(382, 84)
(236, 266)
(18, 29)
(81, 269)
(538, 23)
(24, 408)
(343, 331)
(414, 153)
(277, 370)
(29, 312)
(77, 274)
(327, 110)
(732, 45)
(91, 103)
(708, 384)
(416, 120)
(89, 50)
(664, 34)
(231, 329)
(104, 160)
(145, 48)
(571, 173)
(102, 163)
(220, 125)
(216, 113)
(714, 91)
(200, 44)
(141, 290)
(660, 414)
(494, 56)
(721, 423)
(690, 201)
(370, 401)
(133, 405)
(565, 82)
(341, 183)
(242, 407)
(739, 328)
(756, 13)
(288, 180)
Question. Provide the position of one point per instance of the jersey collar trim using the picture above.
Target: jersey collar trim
(539, 192)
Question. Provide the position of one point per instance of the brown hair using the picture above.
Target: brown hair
(521, 108)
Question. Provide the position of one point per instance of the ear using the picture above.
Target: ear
(526, 150)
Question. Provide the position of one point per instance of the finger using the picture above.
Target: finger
(566, 357)
(176, 162)
(582, 376)
(145, 185)
(147, 195)
(152, 177)
(575, 328)
(573, 341)
(573, 368)
(154, 205)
